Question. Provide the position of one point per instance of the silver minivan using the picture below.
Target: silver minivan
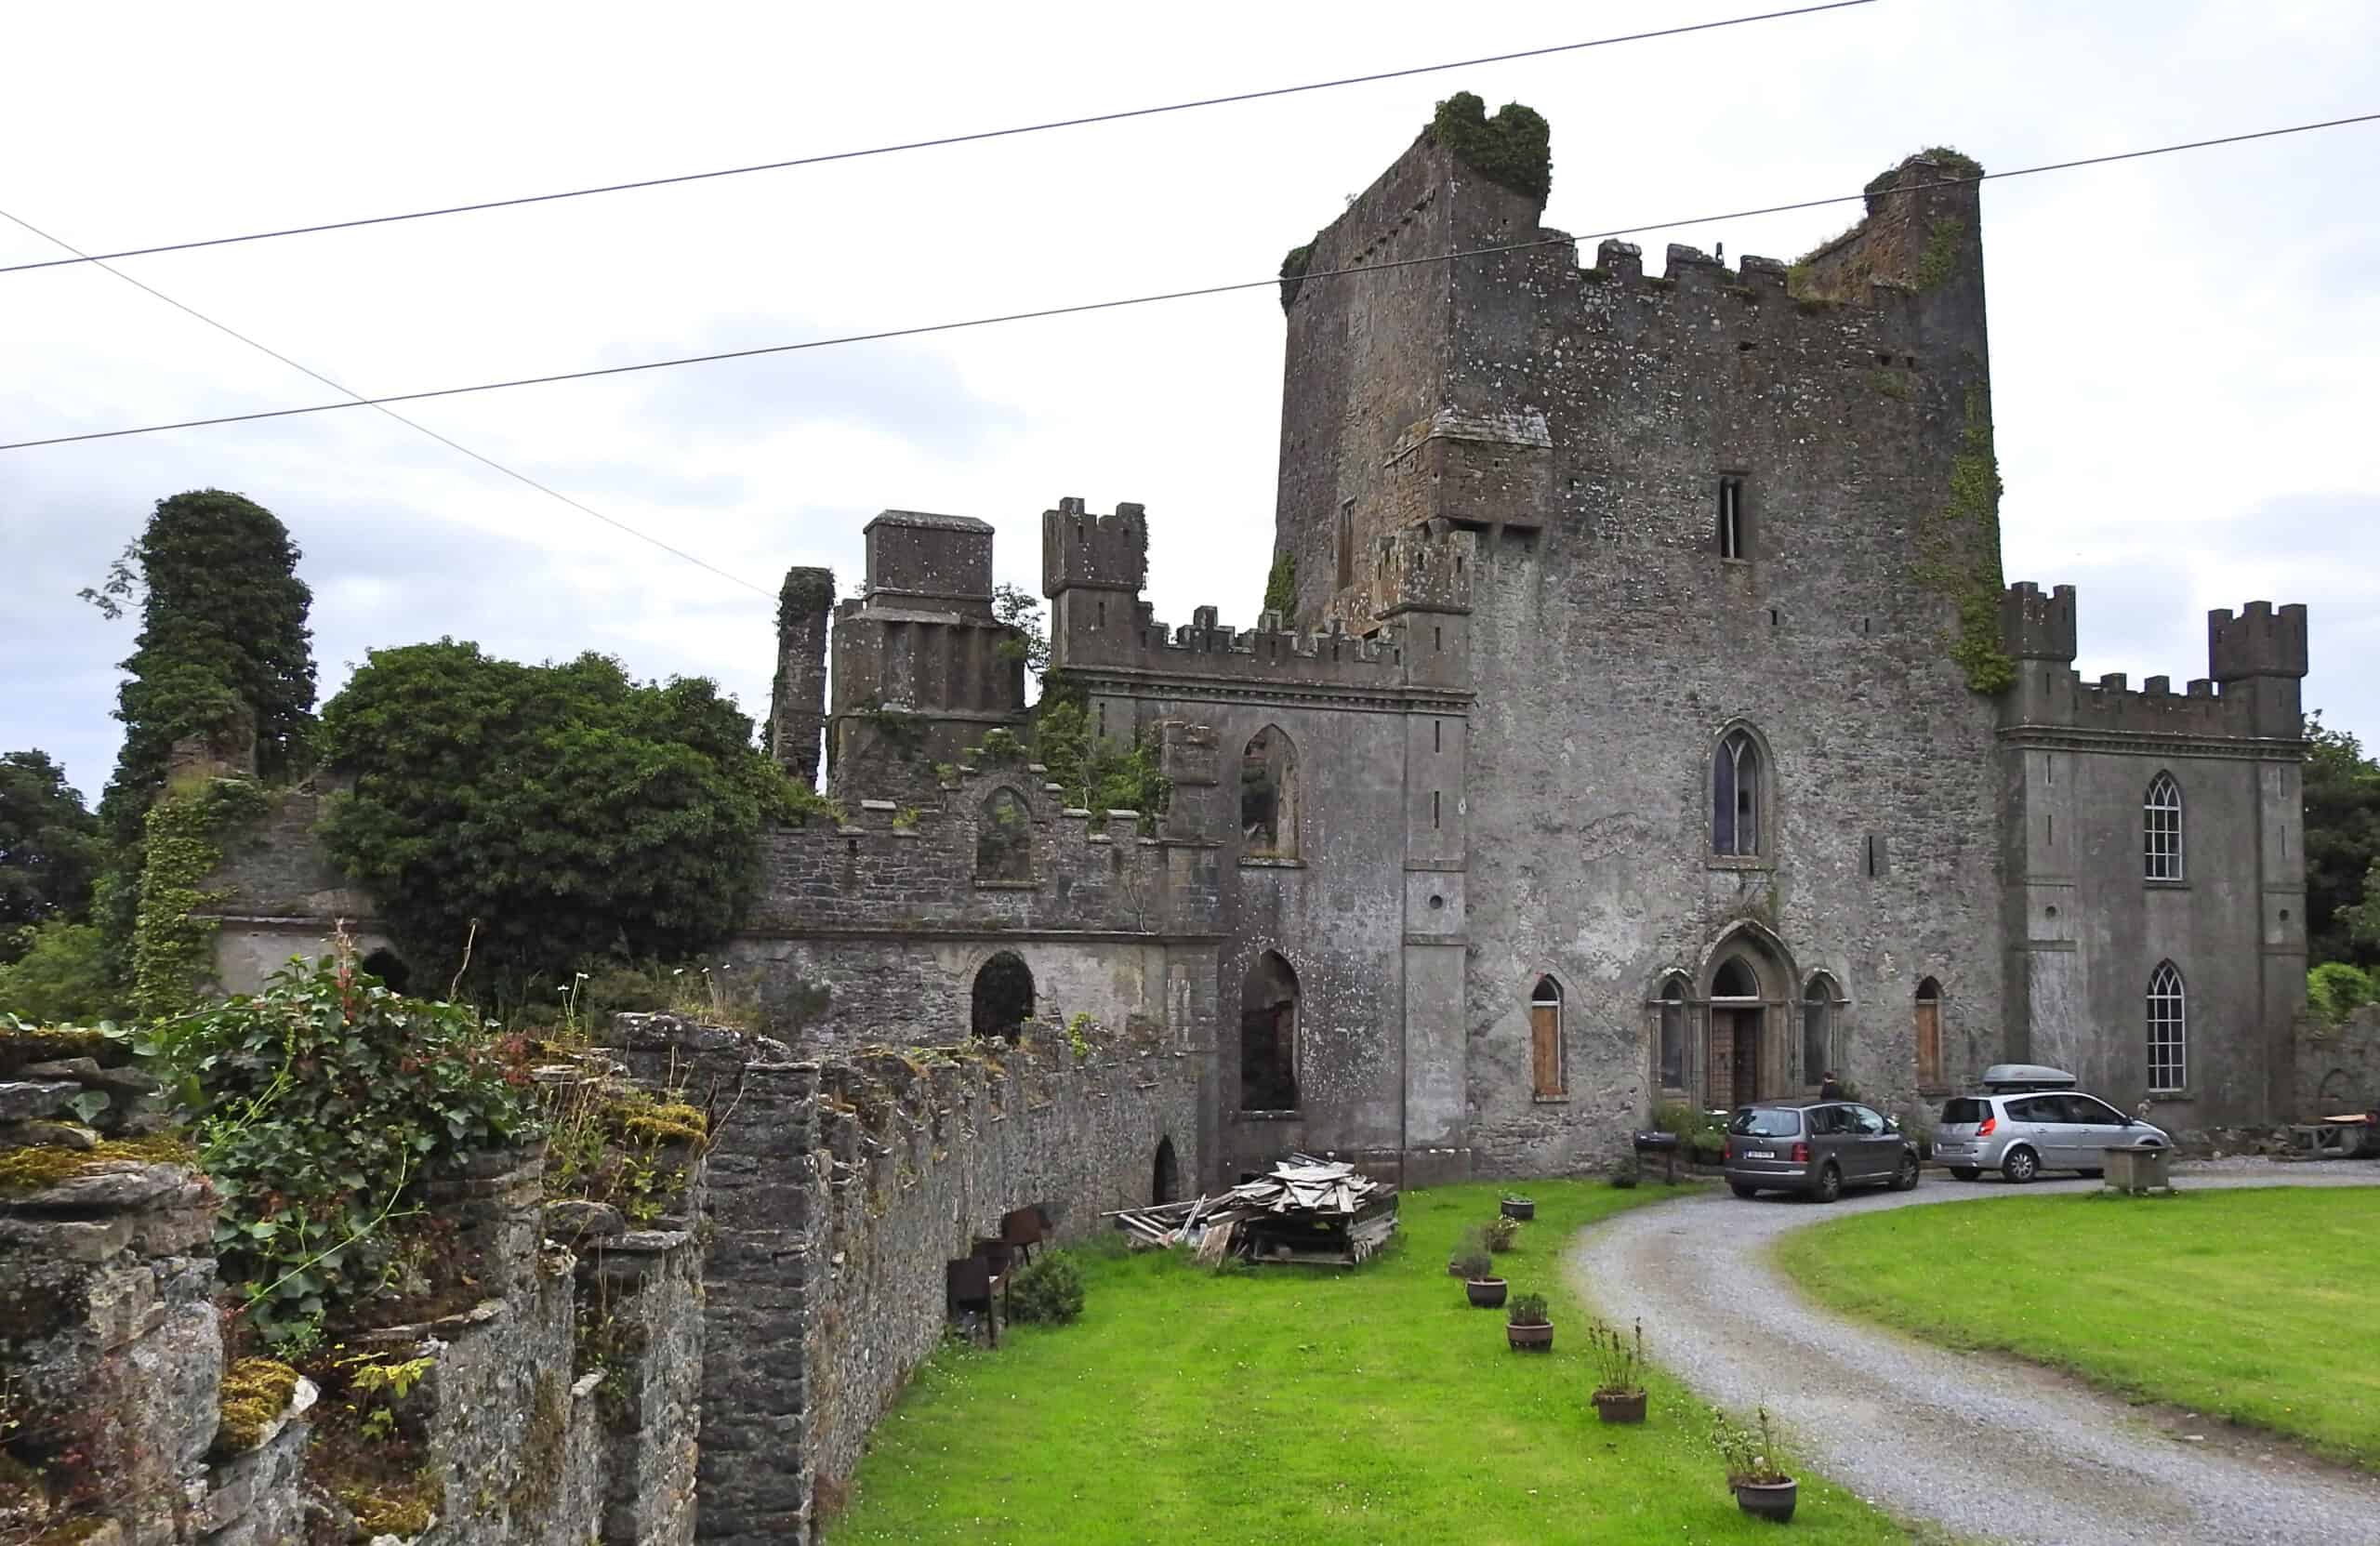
(2030, 1119)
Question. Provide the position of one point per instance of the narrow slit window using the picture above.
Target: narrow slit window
(1346, 543)
(1673, 1034)
(1545, 1039)
(1731, 518)
(1929, 1034)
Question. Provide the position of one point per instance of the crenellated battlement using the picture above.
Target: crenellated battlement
(999, 846)
(2250, 692)
(1084, 550)
(2263, 641)
(2034, 626)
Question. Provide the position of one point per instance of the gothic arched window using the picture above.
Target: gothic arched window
(1004, 839)
(1672, 1046)
(1268, 796)
(1817, 1028)
(1545, 1037)
(2168, 1030)
(1736, 774)
(2161, 829)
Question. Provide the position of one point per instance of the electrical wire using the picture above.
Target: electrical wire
(1082, 307)
(361, 400)
(937, 143)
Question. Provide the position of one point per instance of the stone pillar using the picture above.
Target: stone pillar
(797, 702)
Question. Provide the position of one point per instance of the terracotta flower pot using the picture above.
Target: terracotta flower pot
(1767, 1500)
(1486, 1293)
(1529, 1339)
(1523, 1208)
(1620, 1405)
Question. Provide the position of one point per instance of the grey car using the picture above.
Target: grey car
(1815, 1147)
(2021, 1135)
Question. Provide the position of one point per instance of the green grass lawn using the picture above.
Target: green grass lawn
(1308, 1405)
(2253, 1305)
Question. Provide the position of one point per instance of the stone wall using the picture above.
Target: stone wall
(838, 1191)
(561, 1409)
(2338, 1066)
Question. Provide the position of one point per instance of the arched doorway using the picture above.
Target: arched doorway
(1268, 1036)
(1002, 1000)
(1748, 1045)
(1165, 1181)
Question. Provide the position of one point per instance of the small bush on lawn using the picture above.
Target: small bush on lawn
(1501, 1232)
(1047, 1288)
(1626, 1172)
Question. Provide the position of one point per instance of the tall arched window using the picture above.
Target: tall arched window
(1817, 1028)
(1268, 796)
(1268, 1036)
(1004, 839)
(2161, 829)
(1545, 1039)
(2168, 1030)
(1002, 999)
(1735, 795)
(1929, 1034)
(1672, 1047)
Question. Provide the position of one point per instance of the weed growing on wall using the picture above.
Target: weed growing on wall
(1513, 149)
(173, 951)
(321, 1107)
(1959, 554)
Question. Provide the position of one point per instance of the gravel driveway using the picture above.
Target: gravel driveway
(1980, 1444)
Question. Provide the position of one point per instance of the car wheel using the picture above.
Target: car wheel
(2021, 1166)
(1905, 1179)
(1740, 1189)
(1830, 1186)
(1965, 1172)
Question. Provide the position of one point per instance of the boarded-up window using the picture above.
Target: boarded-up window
(1674, 1033)
(1545, 1037)
(1929, 1034)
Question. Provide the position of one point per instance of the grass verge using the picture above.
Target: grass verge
(1313, 1407)
(2253, 1305)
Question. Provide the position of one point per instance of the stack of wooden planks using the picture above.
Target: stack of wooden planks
(1305, 1209)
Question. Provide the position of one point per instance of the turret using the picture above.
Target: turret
(2261, 654)
(1093, 568)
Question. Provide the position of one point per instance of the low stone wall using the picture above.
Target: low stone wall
(559, 1409)
(838, 1191)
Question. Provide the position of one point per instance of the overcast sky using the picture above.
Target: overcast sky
(2181, 347)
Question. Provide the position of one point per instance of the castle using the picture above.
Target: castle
(1648, 721)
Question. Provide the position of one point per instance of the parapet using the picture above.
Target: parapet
(2034, 626)
(2264, 640)
(1100, 553)
(931, 557)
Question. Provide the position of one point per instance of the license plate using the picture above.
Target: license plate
(1760, 1154)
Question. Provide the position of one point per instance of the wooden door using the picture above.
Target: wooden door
(1747, 1055)
(1545, 1046)
(1929, 1043)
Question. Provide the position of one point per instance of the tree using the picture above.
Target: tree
(1021, 609)
(49, 848)
(223, 651)
(61, 978)
(567, 810)
(2341, 843)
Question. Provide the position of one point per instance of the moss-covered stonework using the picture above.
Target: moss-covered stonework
(256, 1392)
(34, 1169)
(1959, 554)
(173, 945)
(1513, 149)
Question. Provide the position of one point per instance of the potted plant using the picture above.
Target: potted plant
(1526, 1326)
(1478, 1269)
(1619, 1372)
(1501, 1232)
(1473, 1239)
(1523, 1208)
(1760, 1486)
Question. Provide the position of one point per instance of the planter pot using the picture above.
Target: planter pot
(1523, 1208)
(1486, 1293)
(1620, 1405)
(1529, 1339)
(1767, 1500)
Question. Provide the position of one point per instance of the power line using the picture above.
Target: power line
(941, 140)
(361, 400)
(1082, 307)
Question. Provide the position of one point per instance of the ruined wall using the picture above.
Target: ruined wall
(2338, 1067)
(278, 895)
(559, 1410)
(838, 1191)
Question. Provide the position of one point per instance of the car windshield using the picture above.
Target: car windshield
(1763, 1122)
(1963, 1112)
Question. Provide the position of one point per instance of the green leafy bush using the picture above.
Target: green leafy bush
(321, 1107)
(61, 976)
(1626, 1171)
(1048, 1288)
(2333, 991)
(1513, 148)
(1470, 1258)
